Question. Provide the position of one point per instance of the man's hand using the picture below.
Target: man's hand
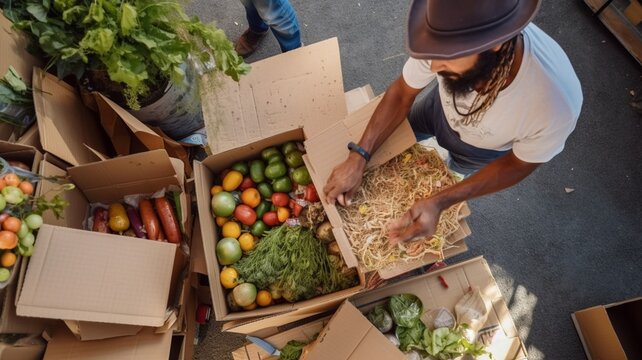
(420, 221)
(345, 180)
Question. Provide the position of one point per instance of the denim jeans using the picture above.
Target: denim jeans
(427, 119)
(277, 15)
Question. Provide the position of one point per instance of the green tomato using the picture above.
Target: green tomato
(263, 207)
(266, 154)
(258, 228)
(13, 195)
(265, 190)
(294, 158)
(275, 170)
(257, 170)
(28, 240)
(275, 158)
(28, 251)
(34, 221)
(301, 176)
(241, 167)
(3, 202)
(288, 147)
(5, 274)
(24, 230)
(282, 184)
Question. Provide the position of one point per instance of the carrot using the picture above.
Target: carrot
(168, 220)
(150, 220)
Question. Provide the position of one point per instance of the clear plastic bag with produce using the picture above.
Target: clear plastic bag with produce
(472, 310)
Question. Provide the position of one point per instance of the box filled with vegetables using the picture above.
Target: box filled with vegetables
(267, 237)
(453, 312)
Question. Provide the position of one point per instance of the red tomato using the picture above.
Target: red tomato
(310, 194)
(280, 199)
(296, 208)
(270, 218)
(247, 183)
(245, 214)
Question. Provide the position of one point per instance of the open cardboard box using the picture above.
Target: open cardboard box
(27, 348)
(349, 335)
(328, 149)
(611, 331)
(271, 105)
(82, 276)
(72, 132)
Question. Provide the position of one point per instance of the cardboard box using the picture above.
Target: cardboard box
(328, 149)
(282, 95)
(87, 276)
(11, 323)
(349, 335)
(75, 134)
(33, 351)
(611, 331)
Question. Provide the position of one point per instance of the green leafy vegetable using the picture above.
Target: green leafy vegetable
(292, 261)
(141, 44)
(405, 309)
(446, 343)
(380, 318)
(292, 350)
(410, 337)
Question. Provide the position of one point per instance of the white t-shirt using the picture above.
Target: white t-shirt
(534, 115)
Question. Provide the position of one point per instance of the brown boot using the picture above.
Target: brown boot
(248, 42)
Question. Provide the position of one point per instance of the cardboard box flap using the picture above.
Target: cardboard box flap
(129, 135)
(146, 345)
(81, 275)
(67, 128)
(86, 330)
(140, 173)
(324, 153)
(597, 334)
(303, 87)
(13, 47)
(349, 335)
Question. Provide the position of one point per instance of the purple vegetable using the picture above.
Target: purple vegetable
(136, 223)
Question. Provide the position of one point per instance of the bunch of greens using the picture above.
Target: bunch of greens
(293, 262)
(292, 350)
(14, 91)
(442, 343)
(140, 44)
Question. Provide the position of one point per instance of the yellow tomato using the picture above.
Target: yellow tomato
(247, 241)
(231, 229)
(252, 306)
(8, 259)
(216, 189)
(220, 221)
(282, 213)
(232, 180)
(251, 197)
(229, 277)
(263, 298)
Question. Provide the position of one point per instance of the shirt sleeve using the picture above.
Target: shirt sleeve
(417, 74)
(547, 142)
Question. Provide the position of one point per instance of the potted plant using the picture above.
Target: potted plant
(132, 51)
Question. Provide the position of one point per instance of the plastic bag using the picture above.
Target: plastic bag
(472, 309)
(438, 318)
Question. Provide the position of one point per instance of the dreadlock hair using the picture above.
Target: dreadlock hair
(498, 79)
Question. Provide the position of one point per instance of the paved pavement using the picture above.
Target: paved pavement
(551, 252)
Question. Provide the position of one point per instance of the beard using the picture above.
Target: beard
(462, 84)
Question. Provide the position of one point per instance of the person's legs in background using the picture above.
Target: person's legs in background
(278, 15)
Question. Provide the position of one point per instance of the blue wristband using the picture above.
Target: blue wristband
(358, 149)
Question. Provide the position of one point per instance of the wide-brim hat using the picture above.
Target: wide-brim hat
(449, 29)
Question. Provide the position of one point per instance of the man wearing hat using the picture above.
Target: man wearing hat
(506, 101)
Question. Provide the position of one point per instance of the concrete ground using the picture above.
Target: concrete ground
(551, 252)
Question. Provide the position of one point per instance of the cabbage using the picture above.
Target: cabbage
(380, 318)
(405, 309)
